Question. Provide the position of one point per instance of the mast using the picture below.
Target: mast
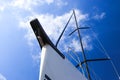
(83, 52)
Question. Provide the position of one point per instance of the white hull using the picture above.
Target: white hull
(54, 67)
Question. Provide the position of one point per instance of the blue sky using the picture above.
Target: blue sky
(19, 49)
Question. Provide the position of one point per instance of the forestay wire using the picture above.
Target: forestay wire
(96, 77)
(104, 50)
(77, 61)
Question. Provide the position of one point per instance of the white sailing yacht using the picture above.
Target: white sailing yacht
(54, 65)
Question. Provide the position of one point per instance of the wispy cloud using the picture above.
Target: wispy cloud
(29, 4)
(61, 3)
(25, 24)
(36, 58)
(99, 16)
(2, 77)
(1, 8)
(75, 44)
(51, 23)
(3, 5)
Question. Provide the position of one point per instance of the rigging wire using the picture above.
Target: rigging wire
(104, 50)
(69, 48)
(72, 57)
(96, 76)
(98, 48)
(74, 53)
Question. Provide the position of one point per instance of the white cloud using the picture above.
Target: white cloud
(3, 5)
(2, 77)
(30, 4)
(1, 8)
(76, 46)
(36, 58)
(87, 42)
(25, 24)
(25, 4)
(49, 1)
(61, 3)
(53, 25)
(99, 16)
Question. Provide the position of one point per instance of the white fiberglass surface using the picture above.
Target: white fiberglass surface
(57, 68)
